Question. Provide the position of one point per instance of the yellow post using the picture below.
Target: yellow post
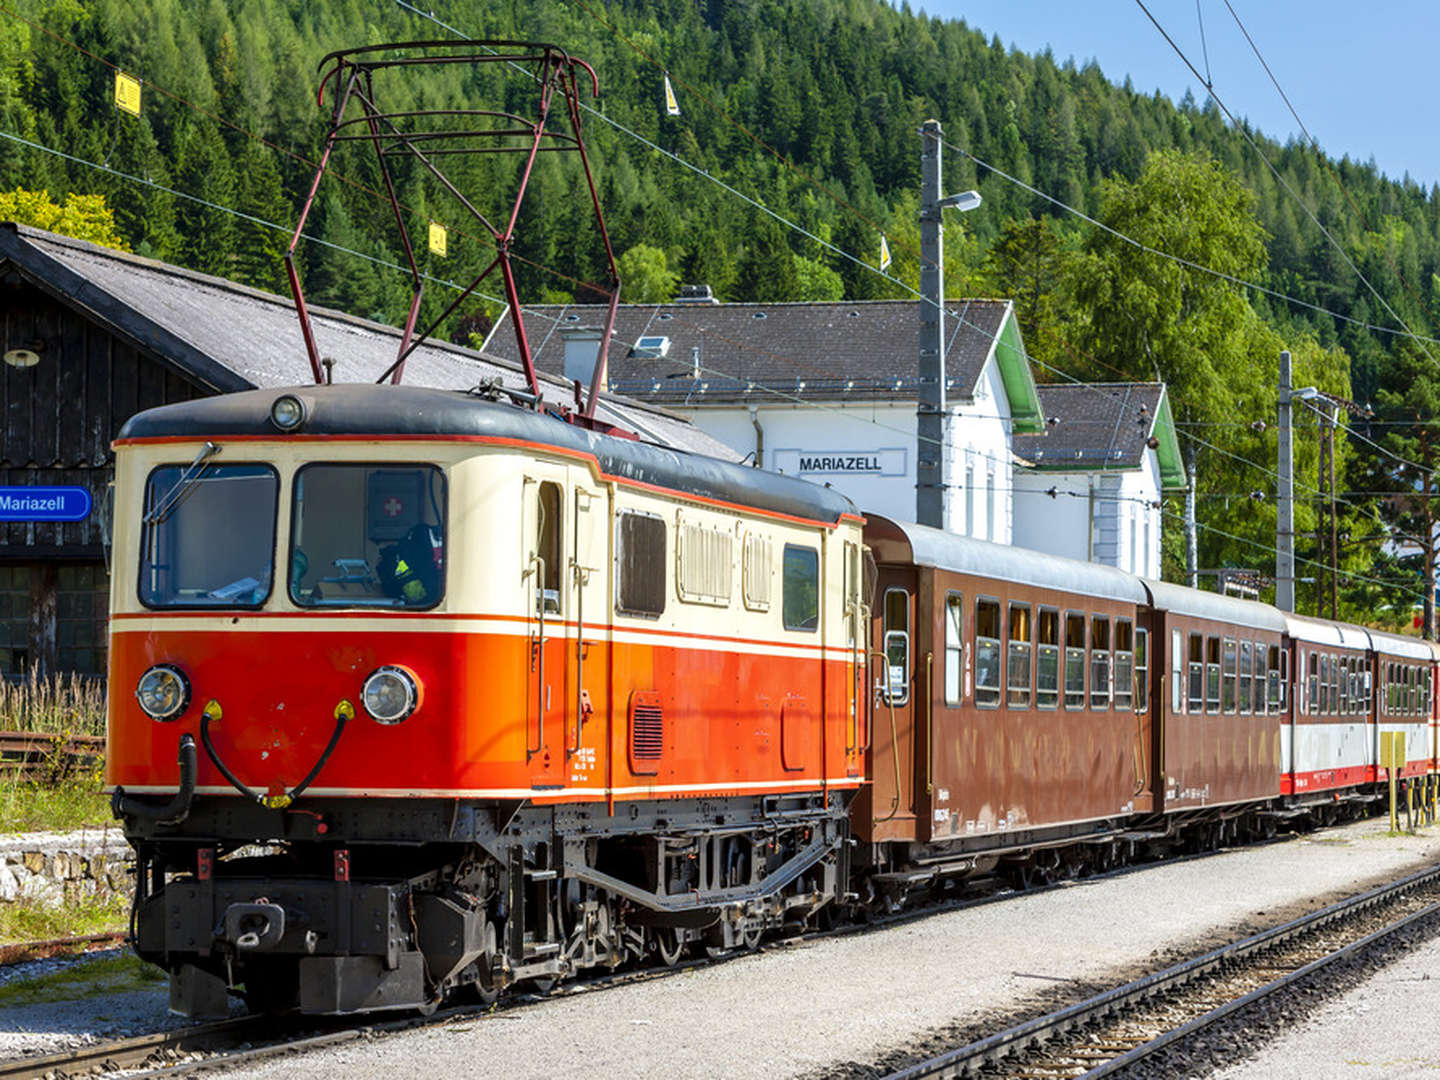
(1392, 757)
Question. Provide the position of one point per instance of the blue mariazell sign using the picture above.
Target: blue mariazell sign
(44, 504)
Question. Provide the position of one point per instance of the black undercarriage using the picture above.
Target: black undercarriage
(350, 905)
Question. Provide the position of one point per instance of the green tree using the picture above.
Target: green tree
(645, 276)
(85, 217)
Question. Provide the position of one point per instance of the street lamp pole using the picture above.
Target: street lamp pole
(932, 428)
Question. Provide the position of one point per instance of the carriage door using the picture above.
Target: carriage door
(893, 705)
(548, 600)
(587, 651)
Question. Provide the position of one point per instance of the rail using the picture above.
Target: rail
(44, 755)
(1031, 1035)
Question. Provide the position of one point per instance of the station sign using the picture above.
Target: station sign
(44, 504)
(889, 461)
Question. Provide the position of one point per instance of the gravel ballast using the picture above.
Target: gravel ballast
(858, 1004)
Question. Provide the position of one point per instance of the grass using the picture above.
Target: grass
(27, 921)
(88, 978)
(56, 797)
(64, 704)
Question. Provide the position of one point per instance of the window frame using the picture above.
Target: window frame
(1122, 699)
(280, 487)
(954, 650)
(1142, 662)
(1028, 644)
(803, 549)
(1057, 649)
(1000, 626)
(1081, 694)
(638, 613)
(887, 689)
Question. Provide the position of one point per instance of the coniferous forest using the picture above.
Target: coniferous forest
(811, 108)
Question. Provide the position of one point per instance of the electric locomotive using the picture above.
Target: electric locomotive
(433, 693)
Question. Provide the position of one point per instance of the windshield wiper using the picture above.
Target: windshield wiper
(161, 510)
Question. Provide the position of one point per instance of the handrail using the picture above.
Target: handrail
(537, 660)
(929, 721)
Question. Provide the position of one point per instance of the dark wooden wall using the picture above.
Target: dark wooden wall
(59, 419)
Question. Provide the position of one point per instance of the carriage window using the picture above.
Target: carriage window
(640, 564)
(1017, 658)
(1124, 664)
(1272, 678)
(1281, 699)
(1345, 686)
(208, 538)
(367, 536)
(1334, 684)
(1142, 671)
(800, 588)
(1196, 691)
(1074, 661)
(548, 553)
(1357, 687)
(1047, 659)
(954, 647)
(1245, 673)
(987, 653)
(1326, 701)
(1177, 672)
(1212, 674)
(1227, 673)
(1311, 674)
(1099, 662)
(897, 647)
(1257, 689)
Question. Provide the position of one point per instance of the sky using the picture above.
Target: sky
(1362, 79)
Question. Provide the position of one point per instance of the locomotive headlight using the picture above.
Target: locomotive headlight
(390, 694)
(163, 692)
(287, 413)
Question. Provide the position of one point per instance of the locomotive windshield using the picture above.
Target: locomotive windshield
(368, 536)
(208, 537)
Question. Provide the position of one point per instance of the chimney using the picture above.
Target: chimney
(695, 294)
(582, 347)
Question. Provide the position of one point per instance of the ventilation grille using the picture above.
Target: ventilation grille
(647, 731)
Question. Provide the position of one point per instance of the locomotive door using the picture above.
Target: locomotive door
(547, 603)
(587, 646)
(893, 705)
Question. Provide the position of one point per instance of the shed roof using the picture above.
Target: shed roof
(1094, 427)
(821, 351)
(228, 337)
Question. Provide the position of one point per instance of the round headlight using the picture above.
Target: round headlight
(390, 694)
(288, 412)
(163, 692)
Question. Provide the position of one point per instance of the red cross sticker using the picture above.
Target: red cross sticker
(393, 506)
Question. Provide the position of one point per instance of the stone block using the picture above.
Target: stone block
(41, 890)
(35, 862)
(9, 887)
(58, 866)
(75, 864)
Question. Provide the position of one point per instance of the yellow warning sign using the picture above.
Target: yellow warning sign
(884, 253)
(127, 93)
(1392, 749)
(437, 238)
(672, 107)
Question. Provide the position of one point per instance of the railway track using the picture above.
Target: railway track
(21, 951)
(1124, 1026)
(39, 755)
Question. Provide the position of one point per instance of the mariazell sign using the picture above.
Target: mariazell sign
(44, 504)
(886, 462)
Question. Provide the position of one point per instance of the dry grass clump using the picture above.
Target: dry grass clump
(63, 704)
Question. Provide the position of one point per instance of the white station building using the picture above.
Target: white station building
(1090, 487)
(827, 391)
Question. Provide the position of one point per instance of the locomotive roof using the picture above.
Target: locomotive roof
(421, 413)
(966, 555)
(1183, 600)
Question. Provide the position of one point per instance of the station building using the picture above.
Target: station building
(1091, 486)
(92, 336)
(825, 391)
